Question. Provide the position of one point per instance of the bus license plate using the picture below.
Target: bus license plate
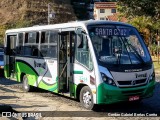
(133, 98)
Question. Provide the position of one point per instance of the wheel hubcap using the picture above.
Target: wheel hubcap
(87, 99)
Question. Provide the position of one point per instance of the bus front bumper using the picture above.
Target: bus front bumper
(108, 94)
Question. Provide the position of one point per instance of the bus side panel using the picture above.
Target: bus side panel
(36, 74)
(86, 77)
(48, 75)
(6, 66)
(25, 68)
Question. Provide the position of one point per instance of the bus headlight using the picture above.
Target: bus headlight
(152, 77)
(107, 80)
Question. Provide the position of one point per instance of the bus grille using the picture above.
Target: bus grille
(133, 92)
(131, 83)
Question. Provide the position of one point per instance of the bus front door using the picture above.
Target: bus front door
(65, 66)
(9, 57)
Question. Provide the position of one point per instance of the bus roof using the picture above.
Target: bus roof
(65, 25)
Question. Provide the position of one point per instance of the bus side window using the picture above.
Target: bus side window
(82, 52)
(31, 44)
(19, 47)
(48, 46)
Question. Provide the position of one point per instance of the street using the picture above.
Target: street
(47, 102)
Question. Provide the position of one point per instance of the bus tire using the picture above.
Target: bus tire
(25, 86)
(86, 98)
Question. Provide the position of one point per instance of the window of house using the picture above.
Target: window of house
(102, 10)
(113, 10)
(102, 18)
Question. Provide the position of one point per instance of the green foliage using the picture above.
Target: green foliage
(140, 7)
(144, 15)
(18, 24)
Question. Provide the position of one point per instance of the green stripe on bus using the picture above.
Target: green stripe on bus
(77, 72)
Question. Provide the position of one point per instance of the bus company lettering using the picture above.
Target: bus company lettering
(141, 75)
(111, 31)
(42, 65)
(133, 70)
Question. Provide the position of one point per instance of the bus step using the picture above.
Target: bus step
(66, 94)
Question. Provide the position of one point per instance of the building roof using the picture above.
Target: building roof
(115, 17)
(105, 5)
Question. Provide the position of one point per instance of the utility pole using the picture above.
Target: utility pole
(49, 13)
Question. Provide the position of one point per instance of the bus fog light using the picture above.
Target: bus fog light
(104, 79)
(110, 81)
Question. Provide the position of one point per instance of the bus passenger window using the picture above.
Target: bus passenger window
(53, 37)
(19, 47)
(83, 55)
(34, 51)
(48, 46)
(27, 50)
(31, 44)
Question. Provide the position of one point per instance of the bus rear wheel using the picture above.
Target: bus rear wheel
(86, 98)
(25, 86)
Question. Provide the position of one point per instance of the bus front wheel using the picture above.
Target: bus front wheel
(86, 98)
(26, 87)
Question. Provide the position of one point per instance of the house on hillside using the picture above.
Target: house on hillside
(116, 17)
(104, 9)
(107, 11)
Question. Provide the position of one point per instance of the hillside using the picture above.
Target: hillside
(20, 13)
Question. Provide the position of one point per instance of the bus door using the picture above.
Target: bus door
(65, 62)
(10, 52)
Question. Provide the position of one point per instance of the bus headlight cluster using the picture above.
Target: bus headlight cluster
(107, 80)
(152, 77)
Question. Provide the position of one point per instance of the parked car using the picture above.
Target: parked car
(1, 61)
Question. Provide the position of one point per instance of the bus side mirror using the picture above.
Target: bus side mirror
(80, 31)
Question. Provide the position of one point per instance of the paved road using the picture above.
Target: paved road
(40, 100)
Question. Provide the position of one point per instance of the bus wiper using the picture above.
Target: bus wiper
(139, 56)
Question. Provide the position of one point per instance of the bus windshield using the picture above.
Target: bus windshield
(117, 44)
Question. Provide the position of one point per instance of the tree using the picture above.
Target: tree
(133, 8)
(144, 14)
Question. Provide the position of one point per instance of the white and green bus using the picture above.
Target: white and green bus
(96, 62)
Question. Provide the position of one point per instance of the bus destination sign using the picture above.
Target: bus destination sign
(103, 31)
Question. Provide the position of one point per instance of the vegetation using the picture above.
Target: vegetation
(24, 13)
(145, 15)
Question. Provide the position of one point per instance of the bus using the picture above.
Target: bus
(95, 62)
